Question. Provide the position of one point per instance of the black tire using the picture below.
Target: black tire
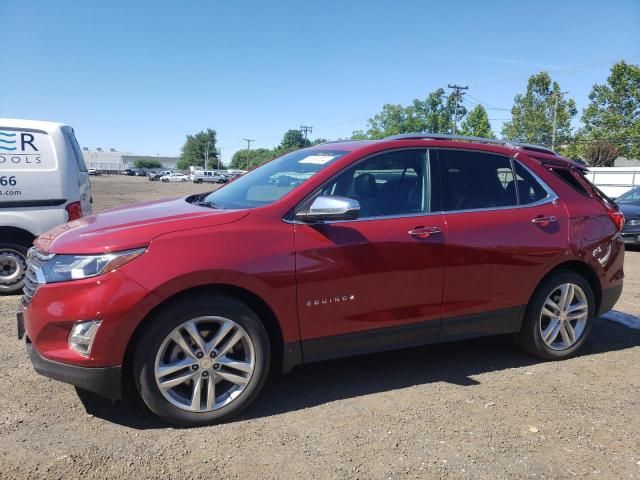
(12, 251)
(530, 336)
(165, 322)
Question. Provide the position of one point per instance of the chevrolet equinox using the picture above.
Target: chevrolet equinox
(341, 249)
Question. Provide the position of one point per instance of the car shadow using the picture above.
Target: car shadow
(315, 384)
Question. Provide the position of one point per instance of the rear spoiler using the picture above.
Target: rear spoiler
(549, 160)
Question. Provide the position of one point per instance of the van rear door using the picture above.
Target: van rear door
(83, 174)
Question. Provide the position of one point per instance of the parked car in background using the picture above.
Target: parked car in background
(94, 171)
(374, 245)
(43, 183)
(208, 176)
(175, 177)
(158, 175)
(129, 172)
(141, 173)
(629, 204)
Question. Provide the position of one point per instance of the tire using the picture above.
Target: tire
(157, 352)
(13, 266)
(552, 322)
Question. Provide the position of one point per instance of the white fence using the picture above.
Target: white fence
(614, 181)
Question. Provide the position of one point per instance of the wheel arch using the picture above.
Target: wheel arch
(252, 300)
(17, 234)
(582, 269)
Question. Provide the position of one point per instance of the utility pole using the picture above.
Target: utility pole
(219, 157)
(206, 154)
(458, 95)
(555, 118)
(305, 129)
(248, 140)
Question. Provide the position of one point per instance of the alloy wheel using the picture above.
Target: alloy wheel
(564, 316)
(204, 364)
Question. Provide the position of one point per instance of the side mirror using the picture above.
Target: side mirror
(327, 209)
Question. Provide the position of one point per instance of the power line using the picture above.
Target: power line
(458, 92)
(561, 71)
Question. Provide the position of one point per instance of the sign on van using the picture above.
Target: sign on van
(24, 151)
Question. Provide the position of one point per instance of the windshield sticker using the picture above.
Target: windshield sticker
(317, 159)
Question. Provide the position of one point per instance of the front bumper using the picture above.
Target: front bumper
(105, 381)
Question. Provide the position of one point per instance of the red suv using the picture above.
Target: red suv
(340, 249)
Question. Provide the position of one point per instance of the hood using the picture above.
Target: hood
(131, 226)
(630, 211)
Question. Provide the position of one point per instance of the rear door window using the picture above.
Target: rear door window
(528, 188)
(476, 180)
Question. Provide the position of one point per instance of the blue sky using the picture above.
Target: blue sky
(139, 76)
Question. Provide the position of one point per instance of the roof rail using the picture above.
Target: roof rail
(463, 138)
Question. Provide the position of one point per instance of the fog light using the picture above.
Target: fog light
(82, 335)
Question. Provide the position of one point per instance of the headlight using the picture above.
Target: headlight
(62, 268)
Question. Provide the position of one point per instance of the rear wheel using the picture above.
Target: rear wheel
(559, 317)
(13, 267)
(202, 361)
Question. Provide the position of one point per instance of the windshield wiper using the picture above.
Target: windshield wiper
(209, 204)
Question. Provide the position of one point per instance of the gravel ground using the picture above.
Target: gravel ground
(473, 409)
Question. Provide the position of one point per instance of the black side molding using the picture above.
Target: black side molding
(609, 298)
(378, 340)
(494, 322)
(33, 203)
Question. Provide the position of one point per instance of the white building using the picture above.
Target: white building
(113, 160)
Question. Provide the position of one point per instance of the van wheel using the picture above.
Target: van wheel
(13, 266)
(202, 360)
(559, 317)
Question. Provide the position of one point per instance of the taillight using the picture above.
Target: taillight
(617, 217)
(74, 209)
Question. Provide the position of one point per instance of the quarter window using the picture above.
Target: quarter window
(394, 183)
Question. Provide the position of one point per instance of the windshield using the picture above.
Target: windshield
(273, 180)
(632, 197)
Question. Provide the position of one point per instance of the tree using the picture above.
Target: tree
(433, 114)
(195, 149)
(613, 114)
(318, 141)
(246, 159)
(147, 163)
(476, 123)
(294, 140)
(532, 113)
(601, 154)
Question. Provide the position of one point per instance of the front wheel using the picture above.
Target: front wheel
(13, 267)
(202, 361)
(559, 317)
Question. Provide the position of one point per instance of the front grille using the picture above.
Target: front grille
(34, 276)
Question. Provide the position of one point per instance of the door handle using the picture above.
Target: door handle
(544, 221)
(424, 232)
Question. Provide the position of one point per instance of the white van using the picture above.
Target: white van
(43, 183)
(211, 176)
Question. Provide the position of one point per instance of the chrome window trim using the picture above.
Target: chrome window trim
(550, 198)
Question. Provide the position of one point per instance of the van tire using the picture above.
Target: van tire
(13, 261)
(173, 317)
